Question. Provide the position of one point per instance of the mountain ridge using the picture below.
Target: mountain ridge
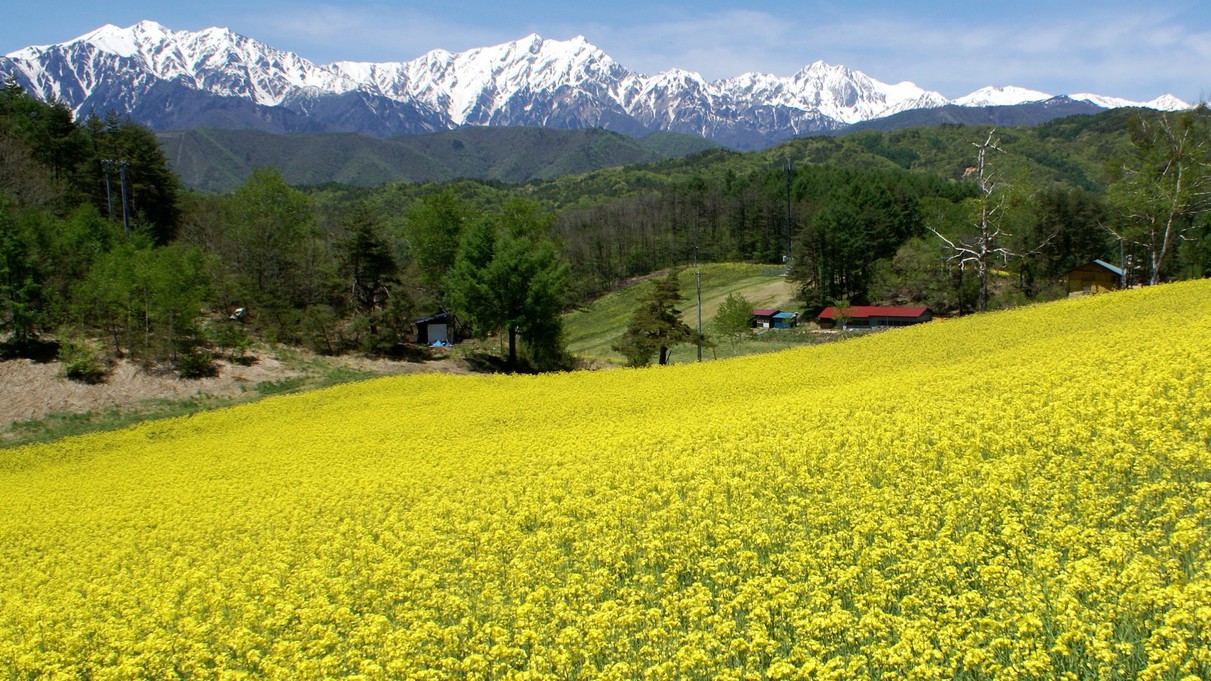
(176, 79)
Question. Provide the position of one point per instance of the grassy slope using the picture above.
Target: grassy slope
(594, 328)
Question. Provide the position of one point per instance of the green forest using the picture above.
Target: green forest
(104, 254)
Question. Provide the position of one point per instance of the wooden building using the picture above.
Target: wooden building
(764, 319)
(873, 317)
(1094, 277)
(437, 329)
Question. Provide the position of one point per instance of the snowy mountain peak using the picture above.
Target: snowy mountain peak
(126, 42)
(851, 96)
(676, 75)
(1001, 96)
(1167, 102)
(1103, 101)
(818, 66)
(173, 79)
(1163, 103)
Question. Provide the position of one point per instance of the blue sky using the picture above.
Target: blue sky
(1137, 49)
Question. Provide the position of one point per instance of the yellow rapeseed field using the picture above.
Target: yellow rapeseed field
(1017, 495)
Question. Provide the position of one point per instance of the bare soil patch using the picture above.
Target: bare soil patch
(31, 390)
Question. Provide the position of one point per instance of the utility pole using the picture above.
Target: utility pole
(122, 175)
(786, 258)
(1122, 264)
(106, 165)
(698, 274)
(1122, 258)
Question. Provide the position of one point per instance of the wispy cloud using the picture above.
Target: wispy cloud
(376, 33)
(1138, 54)
(716, 45)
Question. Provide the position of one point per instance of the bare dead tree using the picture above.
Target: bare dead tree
(986, 245)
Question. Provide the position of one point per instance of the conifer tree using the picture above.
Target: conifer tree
(656, 326)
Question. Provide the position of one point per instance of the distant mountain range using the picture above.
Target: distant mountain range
(214, 78)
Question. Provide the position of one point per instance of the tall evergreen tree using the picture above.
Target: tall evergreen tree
(433, 228)
(509, 277)
(382, 308)
(656, 325)
(22, 305)
(368, 260)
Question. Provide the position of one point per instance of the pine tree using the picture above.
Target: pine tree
(656, 325)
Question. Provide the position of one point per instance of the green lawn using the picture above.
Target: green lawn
(592, 329)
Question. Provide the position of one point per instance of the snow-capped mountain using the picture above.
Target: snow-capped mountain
(1162, 103)
(179, 79)
(213, 60)
(1001, 96)
(1013, 96)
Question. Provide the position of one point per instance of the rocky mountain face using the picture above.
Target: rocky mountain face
(171, 80)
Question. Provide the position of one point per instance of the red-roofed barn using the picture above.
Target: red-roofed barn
(764, 319)
(873, 317)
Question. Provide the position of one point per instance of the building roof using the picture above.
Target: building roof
(867, 311)
(785, 315)
(761, 312)
(1116, 270)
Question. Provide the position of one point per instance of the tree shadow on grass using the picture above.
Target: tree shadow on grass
(487, 363)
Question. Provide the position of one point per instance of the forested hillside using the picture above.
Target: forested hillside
(221, 160)
(862, 208)
(103, 255)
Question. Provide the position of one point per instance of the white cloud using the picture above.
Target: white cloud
(1131, 54)
(373, 33)
(717, 45)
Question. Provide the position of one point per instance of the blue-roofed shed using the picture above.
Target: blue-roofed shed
(786, 320)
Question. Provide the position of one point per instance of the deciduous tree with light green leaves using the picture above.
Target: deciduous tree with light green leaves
(734, 318)
(279, 264)
(433, 228)
(1165, 185)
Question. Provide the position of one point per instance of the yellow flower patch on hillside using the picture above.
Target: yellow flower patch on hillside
(1023, 494)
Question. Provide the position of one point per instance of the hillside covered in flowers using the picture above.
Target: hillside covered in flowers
(1021, 494)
